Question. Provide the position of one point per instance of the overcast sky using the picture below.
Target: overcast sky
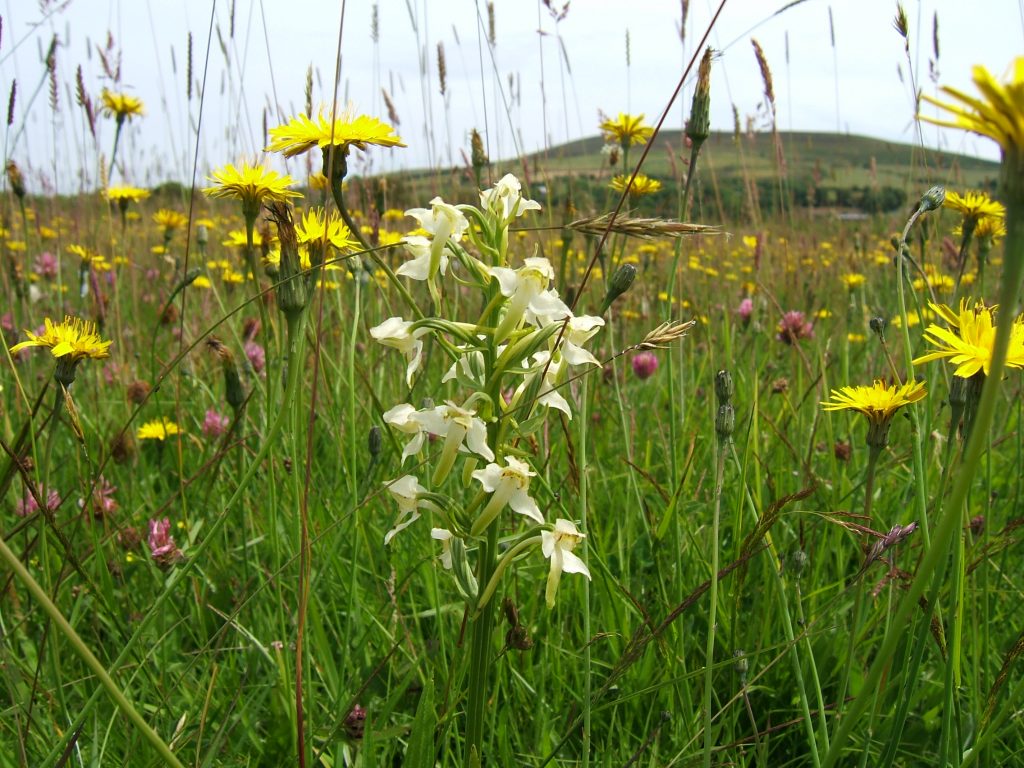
(542, 84)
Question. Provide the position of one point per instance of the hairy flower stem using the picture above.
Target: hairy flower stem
(87, 656)
(709, 653)
(250, 260)
(869, 491)
(931, 571)
(195, 556)
(296, 325)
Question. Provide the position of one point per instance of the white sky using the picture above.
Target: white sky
(275, 40)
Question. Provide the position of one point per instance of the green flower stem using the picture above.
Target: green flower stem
(869, 490)
(482, 627)
(931, 570)
(91, 661)
(250, 260)
(506, 560)
(709, 651)
(908, 358)
(185, 568)
(588, 678)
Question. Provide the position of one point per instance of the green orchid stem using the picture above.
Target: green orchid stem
(185, 568)
(495, 504)
(931, 570)
(91, 661)
(482, 626)
(506, 560)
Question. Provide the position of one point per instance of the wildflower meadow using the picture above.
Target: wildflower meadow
(664, 446)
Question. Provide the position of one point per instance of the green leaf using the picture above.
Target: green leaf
(421, 752)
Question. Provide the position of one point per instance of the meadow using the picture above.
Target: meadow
(602, 456)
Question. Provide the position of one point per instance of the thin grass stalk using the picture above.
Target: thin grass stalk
(709, 648)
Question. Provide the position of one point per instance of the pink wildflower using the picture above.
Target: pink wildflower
(794, 327)
(645, 364)
(27, 505)
(161, 544)
(257, 357)
(215, 424)
(745, 310)
(103, 502)
(46, 265)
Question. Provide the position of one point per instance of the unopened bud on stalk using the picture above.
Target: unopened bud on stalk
(291, 290)
(724, 387)
(16, 179)
(798, 562)
(618, 285)
(202, 235)
(374, 441)
(698, 127)
(932, 199)
(877, 326)
(725, 421)
(478, 157)
(742, 665)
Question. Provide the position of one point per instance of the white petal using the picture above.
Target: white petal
(508, 280)
(476, 440)
(572, 564)
(401, 525)
(524, 505)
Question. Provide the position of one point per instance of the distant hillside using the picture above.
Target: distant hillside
(820, 170)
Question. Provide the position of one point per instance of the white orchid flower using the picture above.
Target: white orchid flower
(418, 267)
(457, 426)
(557, 545)
(527, 287)
(577, 333)
(445, 537)
(405, 490)
(405, 419)
(505, 199)
(507, 485)
(443, 222)
(399, 334)
(549, 394)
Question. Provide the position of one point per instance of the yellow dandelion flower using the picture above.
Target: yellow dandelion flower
(990, 228)
(750, 241)
(974, 206)
(202, 282)
(317, 228)
(17, 245)
(642, 185)
(121, 105)
(853, 280)
(169, 220)
(252, 184)
(302, 133)
(626, 129)
(998, 113)
(74, 336)
(236, 239)
(158, 429)
(969, 340)
(856, 338)
(878, 402)
(125, 195)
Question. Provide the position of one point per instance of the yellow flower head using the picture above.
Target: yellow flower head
(969, 340)
(974, 206)
(251, 184)
(170, 220)
(125, 194)
(990, 229)
(316, 228)
(642, 184)
(626, 129)
(75, 337)
(878, 402)
(236, 238)
(121, 105)
(853, 280)
(998, 113)
(302, 133)
(158, 429)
